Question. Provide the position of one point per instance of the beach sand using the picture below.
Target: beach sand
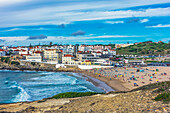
(123, 79)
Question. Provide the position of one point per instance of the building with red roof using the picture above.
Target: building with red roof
(2, 52)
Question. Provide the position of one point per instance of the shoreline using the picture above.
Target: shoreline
(97, 83)
(116, 85)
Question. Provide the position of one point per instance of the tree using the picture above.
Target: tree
(51, 43)
(30, 45)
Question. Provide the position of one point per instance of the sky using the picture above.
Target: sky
(83, 21)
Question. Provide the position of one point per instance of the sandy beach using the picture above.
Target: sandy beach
(125, 79)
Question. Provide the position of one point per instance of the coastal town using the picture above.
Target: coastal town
(84, 56)
(101, 55)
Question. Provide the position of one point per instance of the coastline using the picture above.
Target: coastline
(113, 83)
(116, 85)
(100, 82)
(96, 82)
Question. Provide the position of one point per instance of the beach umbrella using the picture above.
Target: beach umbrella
(135, 84)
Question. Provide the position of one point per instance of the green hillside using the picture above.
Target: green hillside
(146, 48)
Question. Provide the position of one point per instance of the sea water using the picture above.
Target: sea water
(18, 86)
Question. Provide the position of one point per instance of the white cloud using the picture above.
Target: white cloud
(166, 39)
(78, 11)
(54, 38)
(18, 38)
(158, 26)
(114, 22)
(116, 36)
(11, 2)
(14, 29)
(126, 14)
(144, 20)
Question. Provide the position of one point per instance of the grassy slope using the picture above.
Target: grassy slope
(161, 88)
(146, 49)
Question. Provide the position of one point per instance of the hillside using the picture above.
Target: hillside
(146, 48)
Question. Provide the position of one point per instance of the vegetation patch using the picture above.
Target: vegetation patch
(152, 61)
(163, 97)
(15, 63)
(146, 48)
(5, 59)
(33, 63)
(74, 94)
(159, 85)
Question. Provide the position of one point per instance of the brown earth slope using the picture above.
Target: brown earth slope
(132, 102)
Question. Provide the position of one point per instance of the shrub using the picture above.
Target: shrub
(74, 94)
(5, 59)
(159, 90)
(163, 97)
(164, 85)
(16, 63)
(33, 63)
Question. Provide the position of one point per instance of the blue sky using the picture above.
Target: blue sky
(83, 22)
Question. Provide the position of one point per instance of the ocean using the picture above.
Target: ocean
(18, 86)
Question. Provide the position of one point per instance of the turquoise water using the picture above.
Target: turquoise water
(17, 86)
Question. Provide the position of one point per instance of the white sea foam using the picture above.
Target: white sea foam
(47, 73)
(35, 87)
(22, 95)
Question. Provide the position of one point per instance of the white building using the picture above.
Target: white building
(112, 52)
(83, 48)
(23, 52)
(52, 55)
(105, 52)
(36, 57)
(2, 52)
(69, 59)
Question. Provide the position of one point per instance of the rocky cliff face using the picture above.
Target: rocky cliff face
(36, 67)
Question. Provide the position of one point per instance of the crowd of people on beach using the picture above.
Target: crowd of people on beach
(136, 76)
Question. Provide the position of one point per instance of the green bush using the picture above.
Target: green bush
(16, 63)
(159, 90)
(74, 94)
(33, 63)
(2, 59)
(152, 61)
(5, 59)
(163, 97)
(163, 85)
